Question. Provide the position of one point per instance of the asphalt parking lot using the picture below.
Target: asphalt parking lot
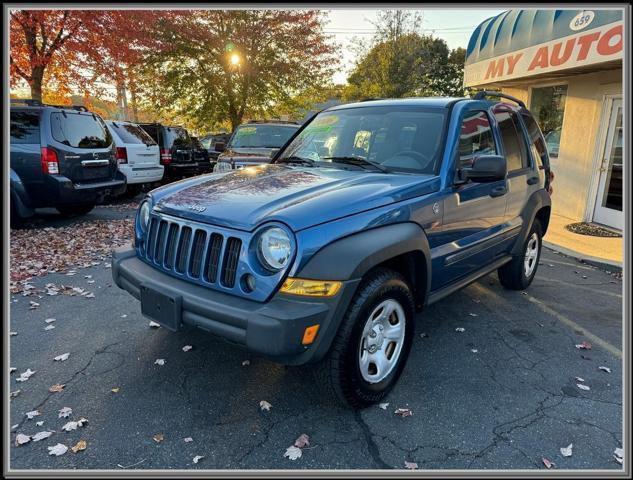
(502, 394)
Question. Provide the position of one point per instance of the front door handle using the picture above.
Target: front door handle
(498, 191)
(532, 180)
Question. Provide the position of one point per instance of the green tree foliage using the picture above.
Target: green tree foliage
(214, 65)
(401, 62)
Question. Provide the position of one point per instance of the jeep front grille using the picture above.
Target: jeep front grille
(196, 252)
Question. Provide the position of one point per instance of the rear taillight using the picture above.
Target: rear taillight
(165, 156)
(50, 163)
(121, 154)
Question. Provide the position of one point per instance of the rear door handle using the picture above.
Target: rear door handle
(498, 191)
(532, 180)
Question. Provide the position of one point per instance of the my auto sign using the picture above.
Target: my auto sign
(584, 47)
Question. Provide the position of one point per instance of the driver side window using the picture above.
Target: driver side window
(475, 138)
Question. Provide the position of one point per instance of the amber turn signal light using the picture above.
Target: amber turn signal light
(311, 288)
(309, 334)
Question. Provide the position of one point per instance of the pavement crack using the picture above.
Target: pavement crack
(372, 448)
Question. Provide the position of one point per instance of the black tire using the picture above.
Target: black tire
(74, 210)
(133, 190)
(513, 275)
(339, 372)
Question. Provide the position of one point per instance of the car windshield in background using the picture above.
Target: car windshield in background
(262, 136)
(404, 139)
(79, 130)
(178, 138)
(131, 133)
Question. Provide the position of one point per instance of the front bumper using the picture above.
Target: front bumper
(274, 328)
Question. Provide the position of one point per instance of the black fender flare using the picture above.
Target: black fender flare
(19, 197)
(536, 202)
(351, 257)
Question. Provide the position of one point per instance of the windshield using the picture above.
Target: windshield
(262, 136)
(402, 138)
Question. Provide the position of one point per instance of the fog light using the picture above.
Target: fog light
(309, 334)
(311, 288)
(249, 283)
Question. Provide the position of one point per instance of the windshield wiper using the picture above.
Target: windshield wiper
(359, 162)
(296, 159)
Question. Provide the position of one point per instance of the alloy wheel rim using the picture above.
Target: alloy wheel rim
(531, 255)
(381, 341)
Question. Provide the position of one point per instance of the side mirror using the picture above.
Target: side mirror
(219, 146)
(486, 168)
(273, 152)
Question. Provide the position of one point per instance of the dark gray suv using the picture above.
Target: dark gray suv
(62, 157)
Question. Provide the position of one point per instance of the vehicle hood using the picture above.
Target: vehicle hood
(259, 154)
(299, 197)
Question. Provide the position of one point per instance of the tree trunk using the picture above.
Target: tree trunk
(37, 78)
(134, 105)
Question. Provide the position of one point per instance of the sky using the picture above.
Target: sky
(453, 25)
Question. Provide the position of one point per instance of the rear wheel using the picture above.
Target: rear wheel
(372, 345)
(74, 210)
(519, 273)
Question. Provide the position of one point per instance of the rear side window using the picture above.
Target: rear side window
(512, 137)
(79, 130)
(537, 142)
(152, 131)
(475, 138)
(25, 127)
(130, 133)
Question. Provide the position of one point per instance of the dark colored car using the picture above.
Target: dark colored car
(61, 157)
(201, 154)
(371, 212)
(215, 144)
(255, 143)
(177, 152)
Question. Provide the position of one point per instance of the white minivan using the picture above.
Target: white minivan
(137, 153)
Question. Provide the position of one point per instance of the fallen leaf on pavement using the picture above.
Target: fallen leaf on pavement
(24, 376)
(583, 346)
(61, 358)
(159, 437)
(302, 441)
(566, 451)
(81, 445)
(13, 334)
(58, 449)
(473, 314)
(605, 369)
(410, 465)
(41, 436)
(424, 335)
(73, 425)
(49, 327)
(15, 393)
(49, 320)
(124, 315)
(383, 405)
(293, 453)
(40, 423)
(159, 361)
(197, 458)
(154, 324)
(58, 387)
(578, 379)
(11, 370)
(583, 387)
(33, 305)
(246, 363)
(403, 412)
(618, 454)
(460, 329)
(618, 459)
(186, 348)
(548, 463)
(65, 412)
(188, 440)
(264, 405)
(115, 390)
(474, 350)
(21, 439)
(32, 414)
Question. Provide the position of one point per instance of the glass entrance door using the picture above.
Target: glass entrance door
(608, 210)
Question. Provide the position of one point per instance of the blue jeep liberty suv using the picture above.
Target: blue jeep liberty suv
(371, 211)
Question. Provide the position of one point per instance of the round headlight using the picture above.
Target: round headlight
(143, 215)
(274, 248)
(222, 167)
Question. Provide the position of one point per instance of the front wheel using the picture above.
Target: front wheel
(371, 348)
(519, 273)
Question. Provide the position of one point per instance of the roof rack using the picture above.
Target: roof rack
(482, 94)
(36, 103)
(290, 122)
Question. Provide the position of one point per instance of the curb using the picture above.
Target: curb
(602, 263)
